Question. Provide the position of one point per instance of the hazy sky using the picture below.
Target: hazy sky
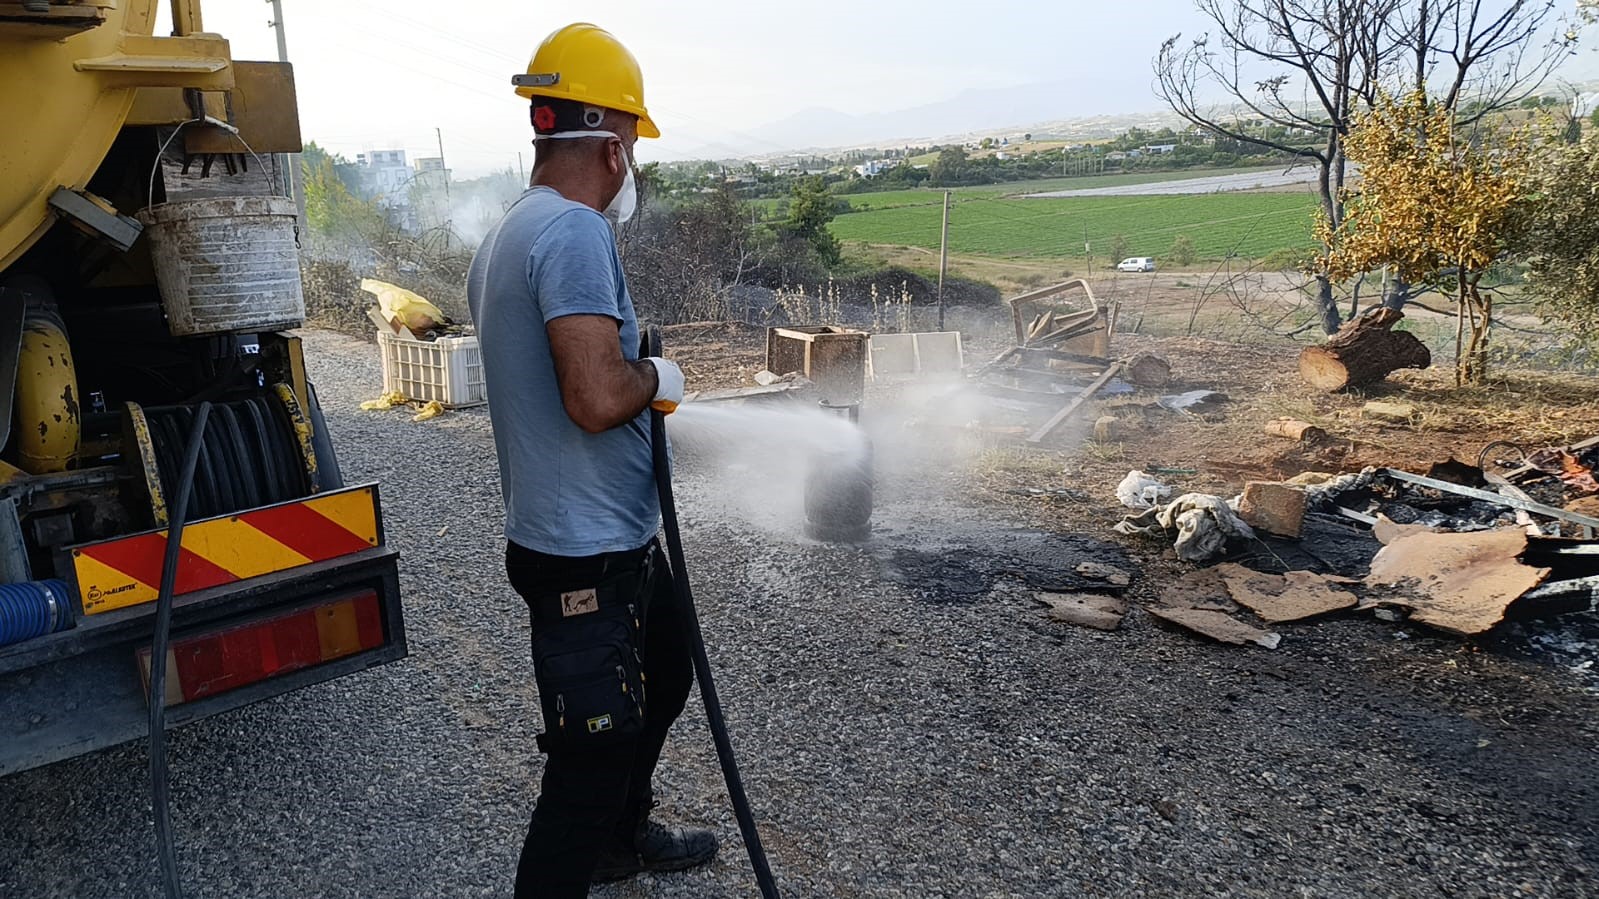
(379, 74)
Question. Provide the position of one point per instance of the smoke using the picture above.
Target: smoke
(752, 463)
(472, 217)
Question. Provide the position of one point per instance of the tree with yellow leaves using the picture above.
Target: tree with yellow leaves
(1439, 202)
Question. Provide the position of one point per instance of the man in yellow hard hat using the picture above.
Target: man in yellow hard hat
(569, 398)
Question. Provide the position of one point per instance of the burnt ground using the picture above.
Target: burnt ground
(909, 721)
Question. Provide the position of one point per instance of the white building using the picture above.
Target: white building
(384, 172)
(386, 177)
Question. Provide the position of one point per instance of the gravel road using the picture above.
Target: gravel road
(908, 722)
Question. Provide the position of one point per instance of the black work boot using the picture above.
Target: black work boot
(652, 846)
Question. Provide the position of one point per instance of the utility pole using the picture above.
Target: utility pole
(288, 162)
(444, 172)
(277, 23)
(943, 261)
(520, 172)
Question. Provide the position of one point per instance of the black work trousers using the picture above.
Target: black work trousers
(590, 797)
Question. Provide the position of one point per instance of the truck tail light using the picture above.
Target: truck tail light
(202, 665)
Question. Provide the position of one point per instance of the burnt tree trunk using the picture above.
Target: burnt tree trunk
(1362, 352)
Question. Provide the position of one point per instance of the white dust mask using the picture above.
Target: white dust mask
(625, 203)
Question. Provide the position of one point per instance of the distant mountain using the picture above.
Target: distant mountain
(1054, 110)
(973, 111)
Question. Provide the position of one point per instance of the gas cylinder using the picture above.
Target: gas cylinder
(838, 491)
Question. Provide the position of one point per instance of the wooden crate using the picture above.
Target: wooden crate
(833, 358)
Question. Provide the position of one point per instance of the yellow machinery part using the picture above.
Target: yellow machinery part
(144, 445)
(63, 100)
(47, 429)
(302, 429)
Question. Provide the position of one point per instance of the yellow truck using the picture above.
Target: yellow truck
(148, 265)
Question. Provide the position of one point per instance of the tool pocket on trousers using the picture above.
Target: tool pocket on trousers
(591, 685)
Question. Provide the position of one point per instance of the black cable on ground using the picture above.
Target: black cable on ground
(702, 663)
(160, 798)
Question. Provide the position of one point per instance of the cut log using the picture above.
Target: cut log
(1294, 429)
(1148, 370)
(1363, 352)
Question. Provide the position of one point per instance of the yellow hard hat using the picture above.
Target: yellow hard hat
(585, 64)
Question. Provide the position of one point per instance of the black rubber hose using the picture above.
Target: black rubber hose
(702, 663)
(160, 797)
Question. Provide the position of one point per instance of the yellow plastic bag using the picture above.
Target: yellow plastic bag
(432, 409)
(386, 401)
(401, 305)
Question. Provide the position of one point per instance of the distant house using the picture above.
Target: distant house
(875, 167)
(384, 171)
(431, 173)
(1117, 156)
(1160, 149)
(384, 175)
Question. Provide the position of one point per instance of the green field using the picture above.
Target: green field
(1250, 225)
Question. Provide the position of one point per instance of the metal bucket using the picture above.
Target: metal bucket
(226, 264)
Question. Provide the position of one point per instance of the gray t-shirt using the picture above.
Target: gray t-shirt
(567, 492)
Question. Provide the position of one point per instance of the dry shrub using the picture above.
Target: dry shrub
(428, 264)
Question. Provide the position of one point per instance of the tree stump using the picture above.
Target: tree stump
(1148, 370)
(1363, 352)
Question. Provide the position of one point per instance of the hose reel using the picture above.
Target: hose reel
(255, 452)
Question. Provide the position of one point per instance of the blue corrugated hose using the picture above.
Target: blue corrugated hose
(32, 610)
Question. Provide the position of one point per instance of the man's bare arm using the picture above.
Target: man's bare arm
(599, 388)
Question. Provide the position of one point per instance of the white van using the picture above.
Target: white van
(1136, 264)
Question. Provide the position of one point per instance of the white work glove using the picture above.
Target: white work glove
(669, 377)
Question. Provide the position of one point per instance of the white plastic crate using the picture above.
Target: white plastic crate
(449, 369)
